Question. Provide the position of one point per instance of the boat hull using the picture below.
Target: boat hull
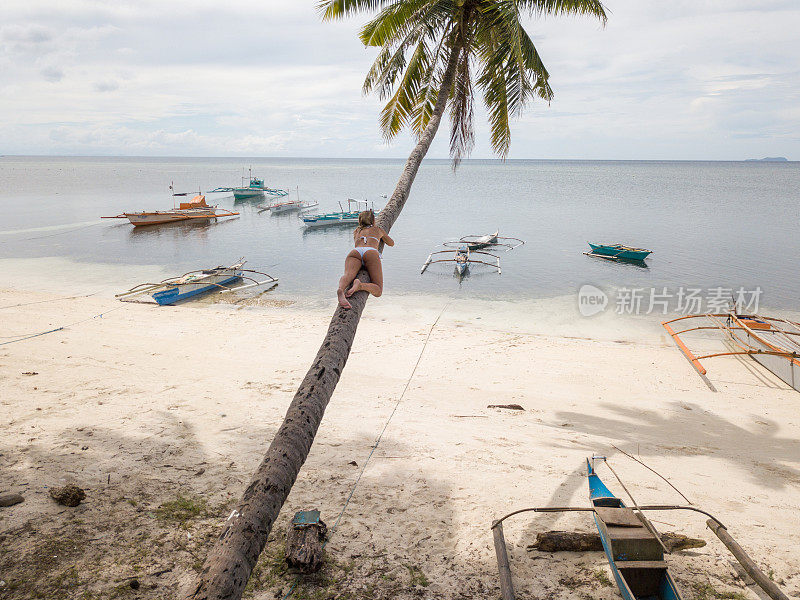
(483, 241)
(204, 285)
(617, 252)
(247, 193)
(787, 369)
(327, 221)
(638, 579)
(161, 217)
(283, 208)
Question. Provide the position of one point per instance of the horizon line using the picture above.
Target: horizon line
(776, 159)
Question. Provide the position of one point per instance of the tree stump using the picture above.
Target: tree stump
(304, 541)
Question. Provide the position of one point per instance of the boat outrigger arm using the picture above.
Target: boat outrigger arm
(736, 327)
(455, 253)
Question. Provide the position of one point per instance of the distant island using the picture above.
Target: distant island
(769, 159)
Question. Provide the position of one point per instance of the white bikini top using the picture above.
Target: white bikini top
(364, 238)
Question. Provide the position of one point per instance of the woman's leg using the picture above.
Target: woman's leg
(351, 266)
(372, 261)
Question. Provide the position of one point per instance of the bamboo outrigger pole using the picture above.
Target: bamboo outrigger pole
(750, 567)
(506, 584)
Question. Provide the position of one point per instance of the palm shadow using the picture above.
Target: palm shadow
(661, 431)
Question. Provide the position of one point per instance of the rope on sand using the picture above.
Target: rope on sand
(377, 441)
(27, 337)
(48, 300)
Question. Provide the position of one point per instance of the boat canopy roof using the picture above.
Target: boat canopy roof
(196, 202)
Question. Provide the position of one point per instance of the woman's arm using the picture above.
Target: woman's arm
(385, 236)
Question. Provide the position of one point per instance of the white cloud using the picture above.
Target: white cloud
(686, 79)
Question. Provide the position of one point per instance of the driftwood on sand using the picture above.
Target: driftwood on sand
(570, 541)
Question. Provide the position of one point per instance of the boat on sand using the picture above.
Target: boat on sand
(195, 283)
(635, 554)
(772, 342)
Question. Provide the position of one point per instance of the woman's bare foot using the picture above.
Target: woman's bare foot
(353, 288)
(342, 300)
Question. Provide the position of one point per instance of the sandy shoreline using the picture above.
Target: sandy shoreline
(145, 405)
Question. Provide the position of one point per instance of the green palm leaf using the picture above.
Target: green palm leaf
(416, 39)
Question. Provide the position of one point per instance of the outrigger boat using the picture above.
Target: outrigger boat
(772, 342)
(635, 553)
(288, 205)
(195, 283)
(462, 257)
(633, 546)
(618, 252)
(343, 217)
(489, 240)
(195, 209)
(254, 189)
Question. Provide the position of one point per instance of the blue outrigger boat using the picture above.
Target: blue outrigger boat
(618, 251)
(632, 545)
(634, 553)
(196, 283)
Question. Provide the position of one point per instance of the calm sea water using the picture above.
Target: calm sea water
(709, 224)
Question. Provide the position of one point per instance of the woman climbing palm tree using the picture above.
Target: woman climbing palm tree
(433, 55)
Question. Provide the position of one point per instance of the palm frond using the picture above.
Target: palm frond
(429, 89)
(462, 129)
(493, 52)
(338, 9)
(495, 95)
(395, 22)
(400, 106)
(541, 8)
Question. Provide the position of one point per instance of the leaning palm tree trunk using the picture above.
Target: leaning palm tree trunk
(244, 535)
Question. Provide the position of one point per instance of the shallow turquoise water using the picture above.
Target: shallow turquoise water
(710, 224)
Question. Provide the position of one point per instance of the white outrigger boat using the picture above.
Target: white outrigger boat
(470, 250)
(194, 209)
(489, 240)
(283, 206)
(195, 283)
(462, 258)
(772, 342)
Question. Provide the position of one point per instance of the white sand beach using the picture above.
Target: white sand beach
(162, 414)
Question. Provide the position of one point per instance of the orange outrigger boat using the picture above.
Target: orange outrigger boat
(194, 209)
(772, 342)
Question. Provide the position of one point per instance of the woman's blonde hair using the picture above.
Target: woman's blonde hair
(366, 219)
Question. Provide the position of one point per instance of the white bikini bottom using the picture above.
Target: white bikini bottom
(363, 249)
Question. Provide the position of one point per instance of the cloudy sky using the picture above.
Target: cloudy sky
(687, 79)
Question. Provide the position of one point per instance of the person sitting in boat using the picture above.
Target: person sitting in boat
(367, 238)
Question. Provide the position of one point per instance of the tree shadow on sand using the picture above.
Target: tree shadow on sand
(759, 453)
(166, 501)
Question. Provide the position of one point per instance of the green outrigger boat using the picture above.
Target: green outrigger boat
(618, 252)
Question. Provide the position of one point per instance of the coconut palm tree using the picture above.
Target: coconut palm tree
(433, 54)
